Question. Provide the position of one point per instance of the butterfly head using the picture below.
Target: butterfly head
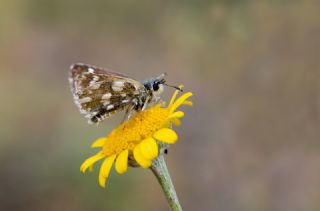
(156, 85)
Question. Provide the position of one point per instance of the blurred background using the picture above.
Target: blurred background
(251, 141)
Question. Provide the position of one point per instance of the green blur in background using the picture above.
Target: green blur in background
(251, 141)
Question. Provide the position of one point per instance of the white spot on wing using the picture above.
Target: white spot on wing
(91, 70)
(96, 78)
(106, 96)
(94, 85)
(117, 86)
(85, 100)
(109, 107)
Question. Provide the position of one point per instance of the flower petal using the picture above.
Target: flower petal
(166, 135)
(188, 102)
(175, 95)
(177, 114)
(105, 170)
(99, 142)
(143, 162)
(122, 162)
(179, 101)
(149, 148)
(176, 121)
(90, 161)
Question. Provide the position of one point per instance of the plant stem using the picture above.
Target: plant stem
(160, 170)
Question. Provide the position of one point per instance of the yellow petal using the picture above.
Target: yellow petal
(177, 114)
(175, 95)
(176, 121)
(143, 162)
(166, 135)
(166, 124)
(187, 102)
(122, 162)
(90, 161)
(99, 142)
(105, 170)
(149, 148)
(179, 101)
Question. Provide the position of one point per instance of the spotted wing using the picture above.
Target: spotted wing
(99, 93)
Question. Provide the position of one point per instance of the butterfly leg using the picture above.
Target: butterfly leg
(157, 100)
(128, 114)
(153, 102)
(145, 103)
(134, 106)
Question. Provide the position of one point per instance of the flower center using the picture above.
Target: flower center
(135, 130)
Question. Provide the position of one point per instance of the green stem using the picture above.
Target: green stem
(160, 170)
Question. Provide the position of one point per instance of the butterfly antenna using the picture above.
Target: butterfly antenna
(161, 77)
(177, 88)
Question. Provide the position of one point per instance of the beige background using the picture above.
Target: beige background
(251, 142)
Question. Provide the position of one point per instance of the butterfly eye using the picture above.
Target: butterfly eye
(155, 86)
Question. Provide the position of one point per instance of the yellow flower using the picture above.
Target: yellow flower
(136, 141)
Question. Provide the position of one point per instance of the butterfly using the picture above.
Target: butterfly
(99, 93)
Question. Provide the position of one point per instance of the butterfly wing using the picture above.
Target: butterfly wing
(99, 93)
